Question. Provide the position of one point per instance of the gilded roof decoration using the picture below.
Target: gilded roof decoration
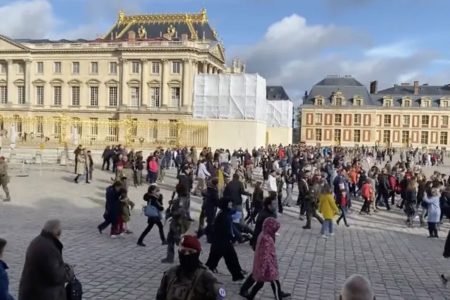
(163, 18)
(160, 26)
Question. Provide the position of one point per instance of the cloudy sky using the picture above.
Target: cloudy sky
(294, 43)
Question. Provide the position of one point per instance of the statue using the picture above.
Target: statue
(142, 32)
(121, 17)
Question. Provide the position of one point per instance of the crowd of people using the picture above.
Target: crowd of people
(329, 182)
(243, 193)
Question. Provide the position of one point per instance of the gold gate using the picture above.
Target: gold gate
(96, 133)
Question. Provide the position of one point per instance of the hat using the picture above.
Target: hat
(191, 242)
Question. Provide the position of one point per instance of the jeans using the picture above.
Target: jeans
(288, 199)
(432, 228)
(327, 224)
(343, 214)
(366, 206)
(105, 162)
(149, 227)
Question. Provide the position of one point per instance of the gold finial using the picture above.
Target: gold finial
(204, 16)
(121, 17)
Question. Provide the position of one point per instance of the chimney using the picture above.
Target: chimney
(416, 88)
(374, 87)
(131, 36)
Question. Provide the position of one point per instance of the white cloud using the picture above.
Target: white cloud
(297, 55)
(27, 19)
(399, 49)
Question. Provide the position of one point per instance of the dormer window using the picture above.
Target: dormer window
(358, 102)
(406, 103)
(387, 102)
(426, 103)
(318, 101)
(338, 98)
(445, 103)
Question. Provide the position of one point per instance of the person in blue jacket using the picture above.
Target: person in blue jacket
(4, 282)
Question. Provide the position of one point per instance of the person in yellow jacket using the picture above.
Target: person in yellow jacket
(328, 209)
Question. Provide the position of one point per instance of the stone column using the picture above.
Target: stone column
(164, 83)
(9, 80)
(27, 82)
(187, 83)
(205, 67)
(144, 79)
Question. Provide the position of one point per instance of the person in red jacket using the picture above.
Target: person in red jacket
(367, 194)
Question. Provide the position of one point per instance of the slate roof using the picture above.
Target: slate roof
(348, 85)
(276, 93)
(397, 92)
(195, 26)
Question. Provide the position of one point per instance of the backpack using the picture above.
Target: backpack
(74, 290)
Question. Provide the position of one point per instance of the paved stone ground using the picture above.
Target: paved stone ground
(401, 262)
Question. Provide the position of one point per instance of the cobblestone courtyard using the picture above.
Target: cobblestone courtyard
(400, 262)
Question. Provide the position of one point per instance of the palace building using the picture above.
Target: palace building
(133, 85)
(342, 111)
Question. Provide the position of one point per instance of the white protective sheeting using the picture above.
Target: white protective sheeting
(279, 113)
(230, 96)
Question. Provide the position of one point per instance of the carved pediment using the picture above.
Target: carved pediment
(19, 82)
(8, 44)
(56, 81)
(39, 82)
(93, 82)
(218, 52)
(133, 82)
(112, 82)
(174, 82)
(74, 82)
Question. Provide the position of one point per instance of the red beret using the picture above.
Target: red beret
(191, 242)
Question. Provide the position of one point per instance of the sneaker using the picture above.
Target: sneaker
(332, 234)
(444, 279)
(167, 261)
(113, 236)
(284, 295)
(141, 244)
(324, 236)
(99, 229)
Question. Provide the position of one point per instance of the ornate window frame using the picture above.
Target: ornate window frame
(388, 101)
(338, 98)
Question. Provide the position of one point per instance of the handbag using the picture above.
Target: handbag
(74, 289)
(151, 211)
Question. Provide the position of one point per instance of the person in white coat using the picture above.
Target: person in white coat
(202, 175)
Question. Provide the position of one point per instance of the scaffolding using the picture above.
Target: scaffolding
(60, 130)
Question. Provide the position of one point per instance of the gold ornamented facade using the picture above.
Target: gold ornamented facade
(134, 85)
(341, 111)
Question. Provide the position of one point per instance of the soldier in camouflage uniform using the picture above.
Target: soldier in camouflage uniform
(4, 178)
(190, 280)
(311, 201)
